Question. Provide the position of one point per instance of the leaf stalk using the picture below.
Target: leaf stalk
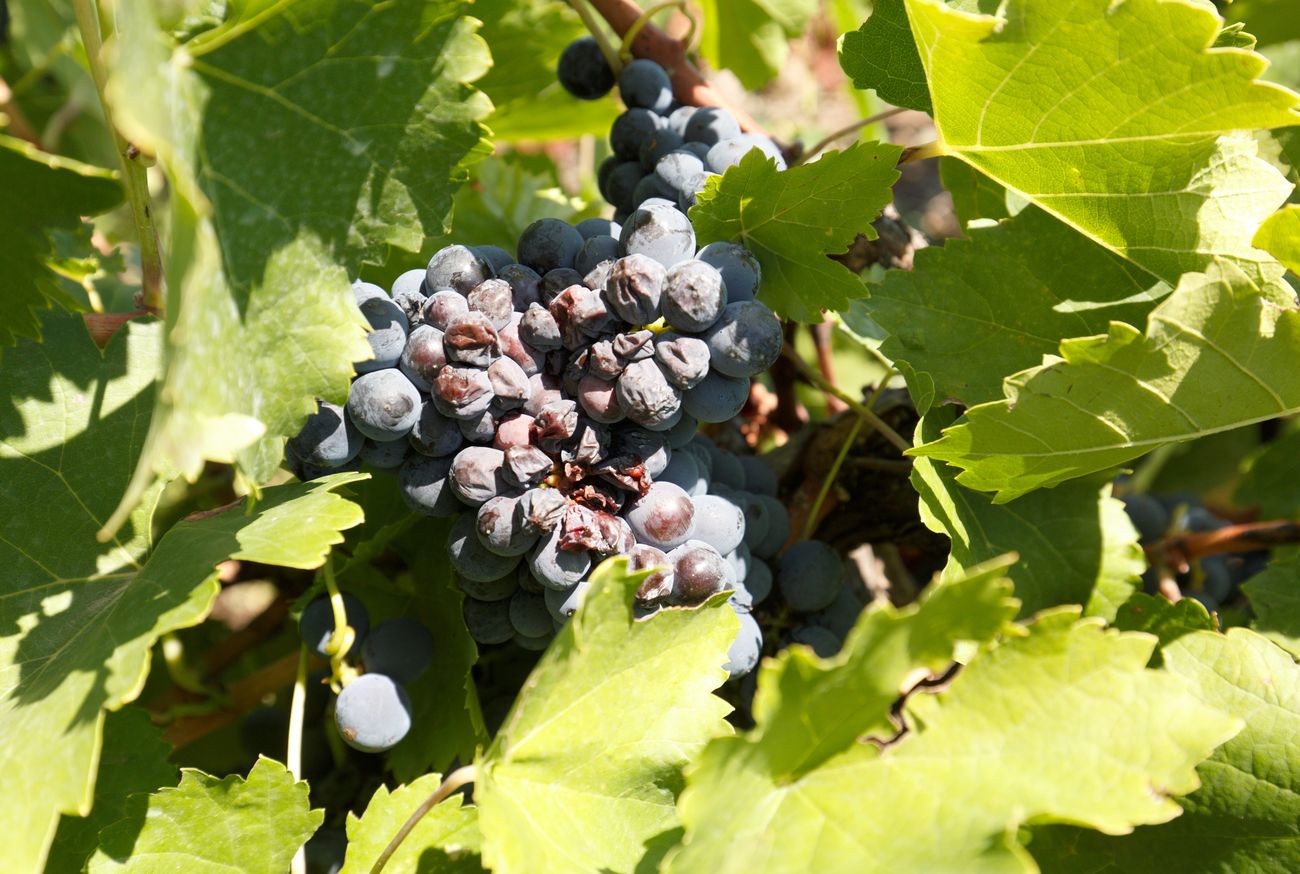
(453, 781)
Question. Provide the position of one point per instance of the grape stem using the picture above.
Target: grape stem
(625, 51)
(821, 337)
(134, 173)
(344, 635)
(653, 43)
(809, 373)
(453, 781)
(293, 749)
(18, 124)
(810, 524)
(846, 130)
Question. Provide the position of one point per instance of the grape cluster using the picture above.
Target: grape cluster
(661, 149)
(373, 711)
(550, 402)
(1214, 580)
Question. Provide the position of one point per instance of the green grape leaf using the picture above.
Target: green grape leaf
(40, 193)
(133, 760)
(881, 56)
(1275, 596)
(1075, 543)
(363, 125)
(973, 311)
(1066, 703)
(208, 825)
(1279, 236)
(792, 219)
(446, 840)
(78, 617)
(526, 38)
(1268, 483)
(1269, 21)
(974, 195)
(1131, 139)
(1167, 621)
(504, 198)
(751, 38)
(1246, 815)
(810, 709)
(601, 731)
(1109, 399)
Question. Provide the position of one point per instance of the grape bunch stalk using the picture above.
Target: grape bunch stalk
(661, 148)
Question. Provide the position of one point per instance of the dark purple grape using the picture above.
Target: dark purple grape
(435, 434)
(364, 291)
(622, 182)
(711, 125)
(678, 167)
(660, 232)
(500, 527)
(684, 360)
(728, 153)
(529, 614)
(746, 339)
(384, 405)
(684, 471)
(599, 399)
(480, 430)
(495, 256)
(424, 486)
(476, 474)
(716, 398)
(494, 298)
(488, 621)
(557, 568)
(759, 580)
(644, 83)
(662, 517)
(443, 307)
(583, 70)
(529, 358)
(658, 586)
(401, 648)
(746, 650)
(514, 429)
(372, 713)
(510, 386)
(594, 251)
(471, 339)
(384, 456)
(526, 466)
(542, 510)
(698, 572)
(727, 469)
(546, 391)
(650, 188)
(778, 528)
(462, 392)
(457, 267)
(658, 144)
(423, 356)
(678, 118)
(759, 477)
(409, 294)
(719, 523)
(564, 602)
(328, 438)
(631, 129)
(598, 227)
(549, 243)
(694, 296)
(740, 270)
(581, 314)
(525, 285)
(646, 395)
(470, 558)
(649, 449)
(683, 431)
(490, 590)
(809, 575)
(585, 529)
(634, 287)
(555, 425)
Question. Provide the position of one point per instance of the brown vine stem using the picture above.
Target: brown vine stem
(453, 781)
(653, 43)
(821, 336)
(134, 173)
(846, 130)
(244, 696)
(18, 125)
(812, 375)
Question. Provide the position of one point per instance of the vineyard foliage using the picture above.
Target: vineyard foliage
(188, 191)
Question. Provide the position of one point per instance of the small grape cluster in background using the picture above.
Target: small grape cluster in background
(372, 711)
(661, 149)
(1213, 580)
